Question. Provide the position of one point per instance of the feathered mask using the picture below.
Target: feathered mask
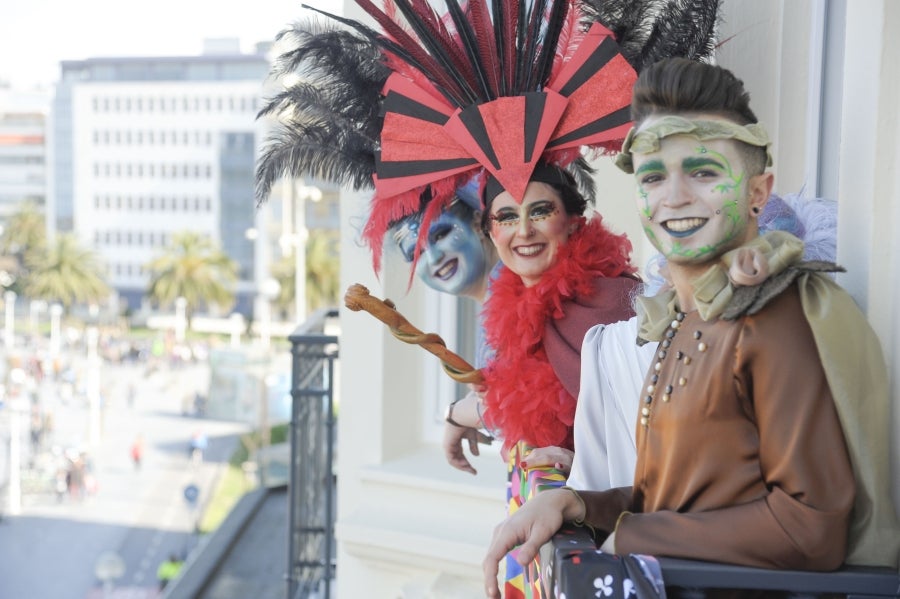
(494, 86)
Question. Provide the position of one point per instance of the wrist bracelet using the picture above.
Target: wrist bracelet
(580, 521)
(620, 518)
(448, 415)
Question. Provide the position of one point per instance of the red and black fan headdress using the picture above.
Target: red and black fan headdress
(491, 86)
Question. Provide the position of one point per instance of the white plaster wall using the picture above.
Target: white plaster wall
(869, 182)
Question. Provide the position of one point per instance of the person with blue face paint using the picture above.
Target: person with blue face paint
(455, 257)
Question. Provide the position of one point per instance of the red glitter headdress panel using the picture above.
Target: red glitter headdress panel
(425, 138)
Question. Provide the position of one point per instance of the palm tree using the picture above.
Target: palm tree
(322, 273)
(323, 266)
(66, 272)
(194, 268)
(23, 235)
(284, 271)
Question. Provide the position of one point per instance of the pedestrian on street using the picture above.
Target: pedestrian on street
(137, 451)
(168, 571)
(197, 446)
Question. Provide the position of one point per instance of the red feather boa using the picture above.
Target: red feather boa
(525, 400)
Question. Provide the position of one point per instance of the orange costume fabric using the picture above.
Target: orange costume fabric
(741, 458)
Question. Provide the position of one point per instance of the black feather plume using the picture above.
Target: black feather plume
(648, 31)
(327, 122)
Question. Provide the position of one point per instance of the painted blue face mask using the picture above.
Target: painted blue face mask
(453, 258)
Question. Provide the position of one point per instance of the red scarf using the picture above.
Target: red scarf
(525, 399)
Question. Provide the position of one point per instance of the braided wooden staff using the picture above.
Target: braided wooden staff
(358, 298)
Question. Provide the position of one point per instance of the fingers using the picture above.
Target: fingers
(529, 528)
(491, 564)
(461, 463)
(556, 457)
(485, 439)
(491, 587)
(473, 442)
(453, 445)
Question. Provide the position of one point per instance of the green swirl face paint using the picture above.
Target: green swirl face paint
(692, 197)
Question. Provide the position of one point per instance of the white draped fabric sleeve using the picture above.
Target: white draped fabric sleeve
(613, 367)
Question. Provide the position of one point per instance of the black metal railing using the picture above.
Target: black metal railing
(572, 564)
(311, 487)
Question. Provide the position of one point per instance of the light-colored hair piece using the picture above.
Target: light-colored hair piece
(646, 139)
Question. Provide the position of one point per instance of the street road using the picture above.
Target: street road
(50, 549)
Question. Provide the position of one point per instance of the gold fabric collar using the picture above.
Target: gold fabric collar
(714, 289)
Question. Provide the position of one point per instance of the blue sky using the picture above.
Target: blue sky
(35, 35)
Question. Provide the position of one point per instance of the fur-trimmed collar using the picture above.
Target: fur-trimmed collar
(525, 399)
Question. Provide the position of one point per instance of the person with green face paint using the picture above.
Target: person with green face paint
(762, 434)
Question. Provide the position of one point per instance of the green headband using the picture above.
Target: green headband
(647, 140)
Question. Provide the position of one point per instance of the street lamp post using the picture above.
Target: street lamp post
(269, 292)
(35, 307)
(14, 486)
(304, 193)
(93, 385)
(237, 325)
(9, 325)
(55, 314)
(180, 318)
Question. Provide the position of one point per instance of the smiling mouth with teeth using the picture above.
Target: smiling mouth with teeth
(447, 270)
(529, 250)
(683, 226)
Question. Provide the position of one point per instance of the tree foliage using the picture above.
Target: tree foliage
(65, 272)
(24, 236)
(322, 273)
(195, 268)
